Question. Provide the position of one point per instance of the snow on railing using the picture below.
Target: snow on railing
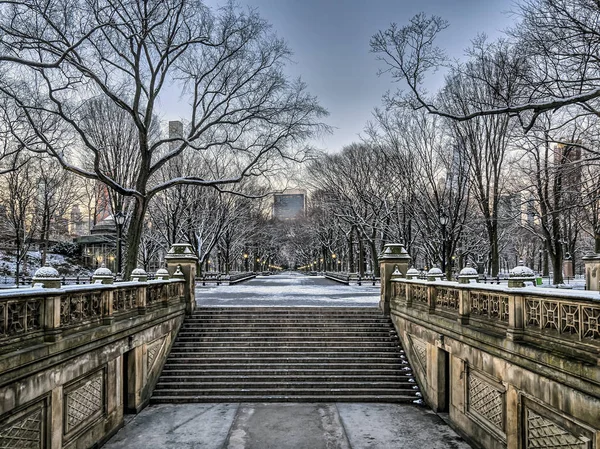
(45, 312)
(518, 312)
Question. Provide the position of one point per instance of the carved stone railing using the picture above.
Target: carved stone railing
(519, 312)
(43, 314)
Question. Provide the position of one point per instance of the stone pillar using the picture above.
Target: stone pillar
(182, 255)
(516, 317)
(436, 375)
(56, 417)
(592, 271)
(393, 255)
(135, 380)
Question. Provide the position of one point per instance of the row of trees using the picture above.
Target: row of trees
(82, 82)
(501, 162)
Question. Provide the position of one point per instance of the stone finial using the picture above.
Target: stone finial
(412, 273)
(103, 275)
(435, 274)
(46, 277)
(521, 276)
(139, 275)
(468, 275)
(162, 274)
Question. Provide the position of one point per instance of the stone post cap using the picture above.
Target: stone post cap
(162, 274)
(46, 277)
(591, 256)
(520, 276)
(468, 275)
(435, 274)
(394, 251)
(412, 273)
(103, 275)
(181, 251)
(139, 275)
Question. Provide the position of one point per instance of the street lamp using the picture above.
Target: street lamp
(246, 262)
(444, 222)
(119, 221)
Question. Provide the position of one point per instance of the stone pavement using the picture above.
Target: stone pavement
(288, 289)
(286, 426)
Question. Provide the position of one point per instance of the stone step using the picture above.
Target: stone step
(287, 347)
(229, 333)
(232, 398)
(317, 310)
(190, 373)
(280, 363)
(279, 345)
(290, 353)
(281, 325)
(283, 384)
(286, 354)
(365, 376)
(285, 319)
(267, 391)
(237, 340)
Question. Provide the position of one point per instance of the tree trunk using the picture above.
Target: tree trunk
(134, 236)
(361, 258)
(597, 241)
(374, 259)
(351, 252)
(494, 251)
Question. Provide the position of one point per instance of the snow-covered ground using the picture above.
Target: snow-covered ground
(288, 289)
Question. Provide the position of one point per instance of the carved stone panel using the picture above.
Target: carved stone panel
(24, 430)
(154, 349)
(543, 433)
(419, 349)
(486, 400)
(84, 401)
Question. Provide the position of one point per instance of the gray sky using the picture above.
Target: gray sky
(330, 41)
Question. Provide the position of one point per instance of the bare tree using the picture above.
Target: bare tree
(556, 41)
(227, 64)
(19, 198)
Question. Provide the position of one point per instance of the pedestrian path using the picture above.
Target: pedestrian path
(286, 426)
(288, 289)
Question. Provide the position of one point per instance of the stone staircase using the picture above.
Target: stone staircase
(308, 354)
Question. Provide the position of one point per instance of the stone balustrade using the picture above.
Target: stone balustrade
(514, 366)
(44, 314)
(546, 313)
(74, 359)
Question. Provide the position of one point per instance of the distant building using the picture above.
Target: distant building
(567, 160)
(289, 205)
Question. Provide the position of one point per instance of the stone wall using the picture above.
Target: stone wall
(513, 367)
(73, 360)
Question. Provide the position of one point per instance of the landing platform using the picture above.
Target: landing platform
(288, 290)
(286, 426)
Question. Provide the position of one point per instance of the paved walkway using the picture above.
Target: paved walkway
(288, 289)
(286, 426)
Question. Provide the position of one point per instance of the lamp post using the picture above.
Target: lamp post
(444, 222)
(333, 256)
(246, 262)
(119, 221)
